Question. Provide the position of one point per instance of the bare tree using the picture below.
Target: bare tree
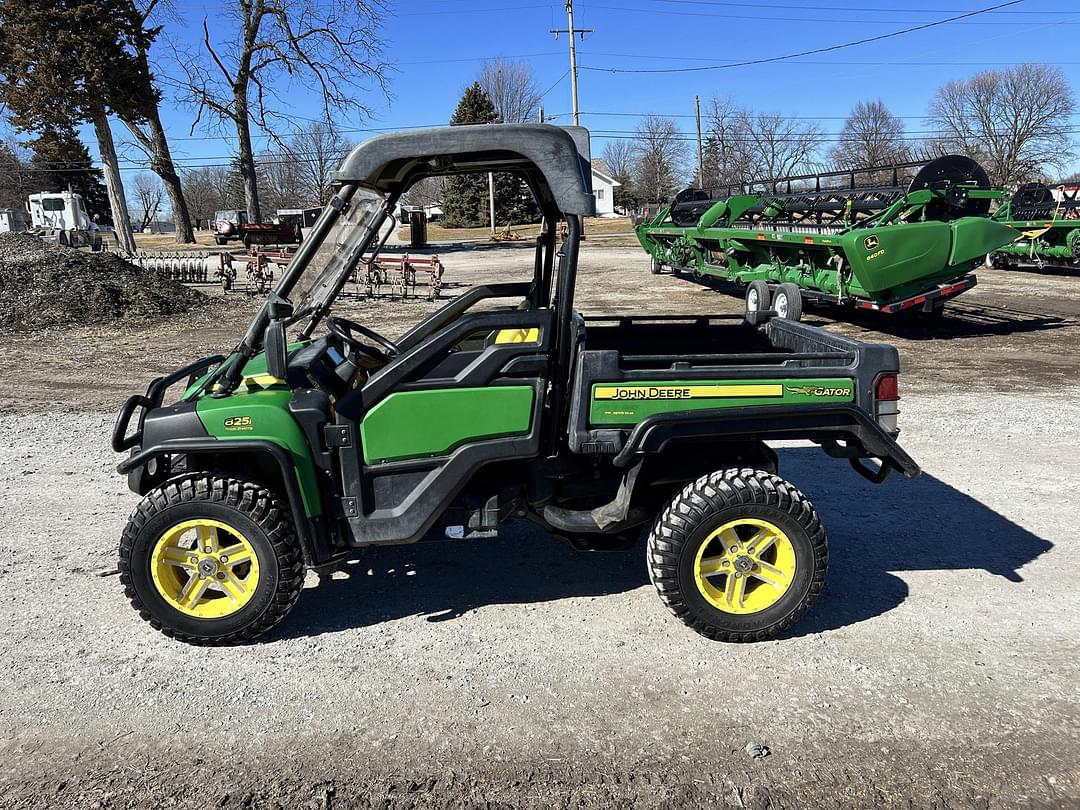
(331, 47)
(204, 190)
(425, 193)
(1013, 121)
(282, 182)
(148, 195)
(318, 150)
(512, 88)
(620, 157)
(14, 175)
(662, 152)
(726, 157)
(871, 136)
(142, 116)
(776, 146)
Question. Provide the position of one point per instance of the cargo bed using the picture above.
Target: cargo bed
(726, 377)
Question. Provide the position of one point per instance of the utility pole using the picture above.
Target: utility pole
(573, 55)
(491, 202)
(700, 161)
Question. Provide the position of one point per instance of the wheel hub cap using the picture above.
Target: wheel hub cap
(204, 568)
(745, 566)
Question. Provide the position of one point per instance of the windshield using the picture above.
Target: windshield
(339, 252)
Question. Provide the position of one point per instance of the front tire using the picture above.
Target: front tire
(210, 559)
(738, 555)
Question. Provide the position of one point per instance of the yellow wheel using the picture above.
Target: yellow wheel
(738, 555)
(211, 559)
(204, 568)
(745, 566)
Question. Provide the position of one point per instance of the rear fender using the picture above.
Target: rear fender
(837, 425)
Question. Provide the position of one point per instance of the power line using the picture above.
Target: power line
(805, 7)
(806, 53)
(773, 18)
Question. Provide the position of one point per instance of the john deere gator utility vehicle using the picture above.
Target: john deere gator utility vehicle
(1047, 221)
(856, 238)
(318, 436)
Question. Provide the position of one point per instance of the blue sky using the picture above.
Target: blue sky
(439, 45)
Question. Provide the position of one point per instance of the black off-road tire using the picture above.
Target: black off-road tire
(708, 503)
(793, 296)
(265, 521)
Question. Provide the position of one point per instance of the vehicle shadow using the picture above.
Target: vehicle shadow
(1062, 270)
(960, 320)
(874, 531)
(900, 525)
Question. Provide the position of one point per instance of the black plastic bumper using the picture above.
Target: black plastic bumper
(154, 396)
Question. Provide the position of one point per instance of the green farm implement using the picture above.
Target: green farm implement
(861, 238)
(1048, 221)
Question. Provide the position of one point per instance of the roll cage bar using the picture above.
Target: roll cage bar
(553, 161)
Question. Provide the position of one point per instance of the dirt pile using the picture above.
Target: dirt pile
(44, 285)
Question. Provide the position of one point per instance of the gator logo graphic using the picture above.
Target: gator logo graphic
(870, 242)
(239, 423)
(818, 391)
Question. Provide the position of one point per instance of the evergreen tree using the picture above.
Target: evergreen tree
(59, 161)
(234, 187)
(465, 196)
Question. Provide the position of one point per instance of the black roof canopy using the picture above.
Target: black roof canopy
(555, 161)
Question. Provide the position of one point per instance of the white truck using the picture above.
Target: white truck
(12, 220)
(61, 217)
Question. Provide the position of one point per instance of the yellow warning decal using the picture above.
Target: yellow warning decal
(523, 335)
(688, 391)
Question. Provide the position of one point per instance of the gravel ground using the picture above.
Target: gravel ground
(938, 669)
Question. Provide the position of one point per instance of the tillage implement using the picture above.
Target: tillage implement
(871, 238)
(317, 436)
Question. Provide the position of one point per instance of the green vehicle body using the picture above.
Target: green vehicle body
(887, 259)
(485, 412)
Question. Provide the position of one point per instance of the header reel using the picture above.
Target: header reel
(832, 201)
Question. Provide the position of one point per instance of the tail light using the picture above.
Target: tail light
(886, 396)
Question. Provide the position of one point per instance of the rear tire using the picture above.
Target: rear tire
(213, 600)
(757, 296)
(787, 301)
(779, 546)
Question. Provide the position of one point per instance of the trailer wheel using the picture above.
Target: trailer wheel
(655, 267)
(787, 301)
(738, 555)
(757, 296)
(210, 559)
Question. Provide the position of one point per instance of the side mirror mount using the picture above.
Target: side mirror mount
(279, 310)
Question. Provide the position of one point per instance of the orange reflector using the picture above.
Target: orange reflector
(809, 240)
(761, 236)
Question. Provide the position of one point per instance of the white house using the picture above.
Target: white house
(604, 189)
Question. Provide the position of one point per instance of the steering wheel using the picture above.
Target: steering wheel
(344, 329)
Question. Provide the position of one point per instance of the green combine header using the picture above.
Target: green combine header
(1048, 221)
(900, 239)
